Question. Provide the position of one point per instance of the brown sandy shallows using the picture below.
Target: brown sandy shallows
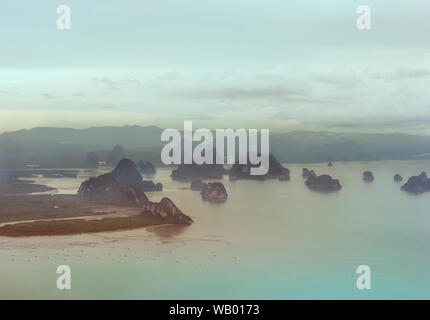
(78, 226)
(36, 207)
(41, 215)
(31, 207)
(99, 213)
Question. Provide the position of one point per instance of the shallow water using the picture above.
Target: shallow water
(271, 239)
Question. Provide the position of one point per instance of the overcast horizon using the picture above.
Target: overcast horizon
(250, 64)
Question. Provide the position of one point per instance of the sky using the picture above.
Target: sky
(283, 65)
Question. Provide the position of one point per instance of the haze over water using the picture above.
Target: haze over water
(270, 240)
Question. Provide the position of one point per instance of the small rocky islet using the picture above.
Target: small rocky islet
(323, 182)
(398, 177)
(306, 173)
(243, 171)
(368, 176)
(214, 192)
(417, 184)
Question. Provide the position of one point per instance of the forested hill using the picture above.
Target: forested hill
(66, 147)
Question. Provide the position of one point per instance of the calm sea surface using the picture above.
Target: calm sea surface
(270, 240)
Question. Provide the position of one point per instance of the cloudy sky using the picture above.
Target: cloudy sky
(283, 65)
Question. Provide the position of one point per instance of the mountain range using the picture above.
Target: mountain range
(67, 148)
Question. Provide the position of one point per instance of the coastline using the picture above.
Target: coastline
(79, 226)
(53, 215)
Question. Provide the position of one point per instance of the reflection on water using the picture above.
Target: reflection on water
(271, 239)
(168, 231)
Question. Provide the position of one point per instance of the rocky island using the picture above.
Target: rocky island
(417, 184)
(214, 192)
(368, 176)
(243, 171)
(398, 177)
(323, 182)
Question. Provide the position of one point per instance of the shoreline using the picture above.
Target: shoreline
(43, 215)
(75, 226)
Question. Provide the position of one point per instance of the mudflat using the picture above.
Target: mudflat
(37, 215)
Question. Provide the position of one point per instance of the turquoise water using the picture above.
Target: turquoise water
(270, 240)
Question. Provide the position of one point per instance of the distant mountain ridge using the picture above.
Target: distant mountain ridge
(302, 146)
(66, 147)
(134, 136)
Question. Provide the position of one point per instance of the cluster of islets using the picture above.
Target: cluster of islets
(125, 187)
(215, 191)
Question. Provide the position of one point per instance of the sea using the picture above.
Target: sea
(270, 240)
